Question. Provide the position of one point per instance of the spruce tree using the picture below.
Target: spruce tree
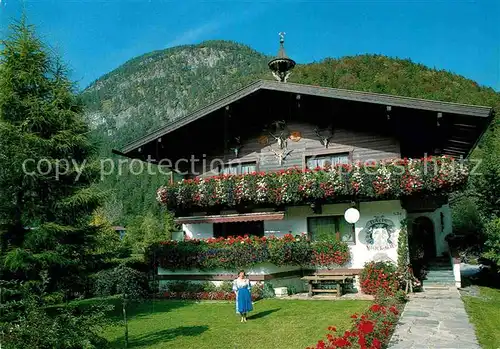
(44, 214)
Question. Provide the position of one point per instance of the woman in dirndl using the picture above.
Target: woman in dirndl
(242, 287)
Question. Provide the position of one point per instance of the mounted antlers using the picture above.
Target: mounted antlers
(280, 138)
(324, 138)
(281, 134)
(281, 155)
(237, 147)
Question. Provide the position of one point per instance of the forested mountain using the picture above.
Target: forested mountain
(158, 87)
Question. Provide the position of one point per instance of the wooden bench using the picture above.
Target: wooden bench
(339, 275)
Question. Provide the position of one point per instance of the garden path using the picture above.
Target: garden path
(434, 319)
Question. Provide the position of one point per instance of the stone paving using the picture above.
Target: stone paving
(434, 319)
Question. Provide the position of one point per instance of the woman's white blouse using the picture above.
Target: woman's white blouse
(240, 283)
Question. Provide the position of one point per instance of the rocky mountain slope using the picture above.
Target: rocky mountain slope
(162, 86)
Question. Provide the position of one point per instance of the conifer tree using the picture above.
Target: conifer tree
(46, 168)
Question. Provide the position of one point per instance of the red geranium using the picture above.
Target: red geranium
(371, 330)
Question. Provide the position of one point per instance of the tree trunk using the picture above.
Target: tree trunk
(124, 309)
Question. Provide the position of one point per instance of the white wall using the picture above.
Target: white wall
(258, 269)
(296, 222)
(441, 229)
(198, 231)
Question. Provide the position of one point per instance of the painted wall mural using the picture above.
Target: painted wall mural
(379, 233)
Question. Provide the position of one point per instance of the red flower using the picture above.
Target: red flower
(366, 327)
(394, 310)
(341, 342)
(362, 342)
(376, 344)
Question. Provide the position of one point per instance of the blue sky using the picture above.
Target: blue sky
(94, 37)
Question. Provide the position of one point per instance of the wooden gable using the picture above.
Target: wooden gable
(368, 126)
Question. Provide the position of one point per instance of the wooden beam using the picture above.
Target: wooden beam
(459, 141)
(449, 151)
(464, 125)
(457, 149)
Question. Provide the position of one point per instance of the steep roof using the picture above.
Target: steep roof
(480, 112)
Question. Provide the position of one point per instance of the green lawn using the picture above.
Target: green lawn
(484, 313)
(276, 324)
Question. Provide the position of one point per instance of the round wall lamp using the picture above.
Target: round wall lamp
(351, 215)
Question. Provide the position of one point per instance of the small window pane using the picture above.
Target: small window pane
(230, 169)
(312, 163)
(326, 161)
(346, 230)
(340, 159)
(235, 169)
(247, 168)
(322, 228)
(330, 228)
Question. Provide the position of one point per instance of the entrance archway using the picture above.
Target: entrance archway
(422, 245)
(423, 238)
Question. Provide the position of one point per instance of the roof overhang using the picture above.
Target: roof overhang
(245, 217)
(482, 114)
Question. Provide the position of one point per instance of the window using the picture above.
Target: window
(239, 229)
(239, 168)
(330, 227)
(327, 160)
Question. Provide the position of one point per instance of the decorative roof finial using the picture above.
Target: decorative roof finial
(282, 37)
(281, 66)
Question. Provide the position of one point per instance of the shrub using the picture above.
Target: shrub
(53, 298)
(268, 291)
(226, 286)
(25, 321)
(257, 291)
(291, 290)
(36, 329)
(122, 280)
(379, 277)
(208, 286)
(492, 244)
(184, 286)
(401, 296)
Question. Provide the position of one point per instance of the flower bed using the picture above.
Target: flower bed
(371, 330)
(329, 253)
(377, 277)
(207, 291)
(213, 296)
(385, 179)
(243, 252)
(216, 295)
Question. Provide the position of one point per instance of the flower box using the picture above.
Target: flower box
(234, 253)
(389, 179)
